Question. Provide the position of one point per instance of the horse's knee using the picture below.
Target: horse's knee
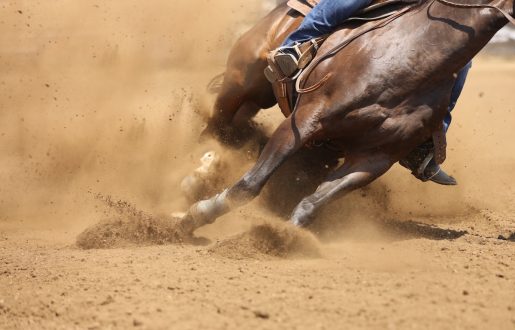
(245, 190)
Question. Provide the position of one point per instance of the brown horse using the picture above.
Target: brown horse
(391, 93)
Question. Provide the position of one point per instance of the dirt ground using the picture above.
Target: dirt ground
(108, 97)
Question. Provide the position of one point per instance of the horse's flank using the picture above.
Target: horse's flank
(400, 76)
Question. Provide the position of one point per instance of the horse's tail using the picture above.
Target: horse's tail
(215, 85)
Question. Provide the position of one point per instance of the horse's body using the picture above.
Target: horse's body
(388, 92)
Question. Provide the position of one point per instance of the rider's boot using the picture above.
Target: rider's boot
(287, 58)
(423, 166)
(288, 61)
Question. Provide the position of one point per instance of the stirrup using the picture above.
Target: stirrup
(443, 178)
(283, 64)
(422, 164)
(287, 62)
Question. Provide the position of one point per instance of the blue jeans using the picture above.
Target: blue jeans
(324, 19)
(455, 94)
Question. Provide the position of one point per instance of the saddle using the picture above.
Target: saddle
(287, 89)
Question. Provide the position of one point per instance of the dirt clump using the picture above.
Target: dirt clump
(269, 240)
(132, 227)
(133, 230)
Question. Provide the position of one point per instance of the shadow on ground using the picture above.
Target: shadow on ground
(414, 229)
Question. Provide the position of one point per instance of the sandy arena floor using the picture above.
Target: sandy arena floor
(107, 98)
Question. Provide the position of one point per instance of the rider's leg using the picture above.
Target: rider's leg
(433, 171)
(324, 19)
(455, 94)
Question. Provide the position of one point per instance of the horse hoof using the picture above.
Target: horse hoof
(185, 222)
(303, 215)
(298, 223)
(210, 161)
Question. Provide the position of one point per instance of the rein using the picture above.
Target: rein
(509, 17)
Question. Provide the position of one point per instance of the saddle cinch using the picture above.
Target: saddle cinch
(287, 89)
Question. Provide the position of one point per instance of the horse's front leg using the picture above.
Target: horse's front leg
(356, 172)
(285, 141)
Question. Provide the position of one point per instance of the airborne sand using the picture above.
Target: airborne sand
(104, 97)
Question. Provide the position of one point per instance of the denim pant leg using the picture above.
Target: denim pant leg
(324, 19)
(455, 94)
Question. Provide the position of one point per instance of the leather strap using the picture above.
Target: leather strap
(509, 17)
(312, 3)
(440, 143)
(307, 51)
(299, 6)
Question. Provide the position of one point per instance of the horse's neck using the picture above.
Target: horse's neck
(462, 32)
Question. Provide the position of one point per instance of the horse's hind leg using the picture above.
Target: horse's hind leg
(355, 173)
(285, 141)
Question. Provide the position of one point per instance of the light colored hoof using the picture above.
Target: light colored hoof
(205, 180)
(178, 215)
(210, 163)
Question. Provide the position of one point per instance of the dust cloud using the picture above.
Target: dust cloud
(108, 97)
(105, 97)
(269, 239)
(133, 227)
